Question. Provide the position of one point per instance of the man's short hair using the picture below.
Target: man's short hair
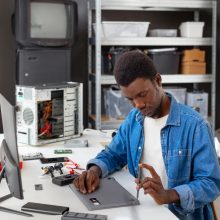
(132, 65)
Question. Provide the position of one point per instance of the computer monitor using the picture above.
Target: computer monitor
(9, 155)
(45, 22)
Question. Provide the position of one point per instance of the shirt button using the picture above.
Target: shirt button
(180, 152)
(139, 148)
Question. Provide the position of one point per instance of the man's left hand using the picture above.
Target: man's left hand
(154, 187)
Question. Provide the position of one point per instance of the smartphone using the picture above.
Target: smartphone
(54, 159)
(44, 208)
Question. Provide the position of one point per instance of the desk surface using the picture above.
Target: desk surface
(56, 195)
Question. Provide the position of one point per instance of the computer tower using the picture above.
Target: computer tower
(42, 66)
(49, 113)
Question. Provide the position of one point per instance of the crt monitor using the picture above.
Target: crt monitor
(45, 22)
(9, 155)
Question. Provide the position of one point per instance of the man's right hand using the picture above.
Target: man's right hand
(89, 180)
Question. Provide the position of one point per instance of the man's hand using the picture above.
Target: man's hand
(89, 180)
(154, 187)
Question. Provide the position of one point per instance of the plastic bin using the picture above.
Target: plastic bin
(116, 106)
(110, 57)
(199, 101)
(124, 29)
(179, 93)
(166, 62)
(163, 33)
(191, 29)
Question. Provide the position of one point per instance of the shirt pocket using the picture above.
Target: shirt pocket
(179, 162)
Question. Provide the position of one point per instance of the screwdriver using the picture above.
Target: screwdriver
(139, 179)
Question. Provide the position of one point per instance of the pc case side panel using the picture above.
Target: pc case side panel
(69, 102)
(26, 115)
(73, 114)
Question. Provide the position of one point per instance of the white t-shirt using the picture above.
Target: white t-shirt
(152, 152)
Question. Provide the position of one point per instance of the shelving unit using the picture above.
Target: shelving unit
(97, 79)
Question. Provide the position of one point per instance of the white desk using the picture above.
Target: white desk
(57, 195)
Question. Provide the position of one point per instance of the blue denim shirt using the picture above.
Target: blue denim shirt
(189, 156)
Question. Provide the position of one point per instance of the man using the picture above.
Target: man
(169, 139)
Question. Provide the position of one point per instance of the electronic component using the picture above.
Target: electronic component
(64, 179)
(48, 170)
(63, 151)
(44, 208)
(54, 159)
(49, 113)
(58, 166)
(82, 216)
(38, 187)
(32, 156)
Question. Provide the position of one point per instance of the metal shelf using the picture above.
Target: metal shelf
(152, 41)
(165, 5)
(158, 41)
(194, 6)
(167, 79)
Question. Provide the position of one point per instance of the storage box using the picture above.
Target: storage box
(124, 29)
(198, 101)
(193, 55)
(166, 62)
(191, 29)
(193, 68)
(178, 93)
(163, 33)
(110, 57)
(117, 106)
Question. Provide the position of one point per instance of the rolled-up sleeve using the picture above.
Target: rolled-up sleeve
(186, 196)
(100, 164)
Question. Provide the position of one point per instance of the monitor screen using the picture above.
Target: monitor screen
(45, 23)
(48, 20)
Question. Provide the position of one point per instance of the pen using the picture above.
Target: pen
(139, 179)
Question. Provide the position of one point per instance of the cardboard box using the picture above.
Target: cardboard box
(193, 55)
(193, 68)
(198, 100)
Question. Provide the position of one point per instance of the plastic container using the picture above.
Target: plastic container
(166, 62)
(116, 106)
(124, 29)
(110, 58)
(198, 101)
(163, 33)
(191, 29)
(179, 93)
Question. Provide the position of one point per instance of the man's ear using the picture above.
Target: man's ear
(158, 80)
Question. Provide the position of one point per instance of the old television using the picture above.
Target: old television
(49, 23)
(9, 156)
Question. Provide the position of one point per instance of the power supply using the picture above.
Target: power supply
(49, 113)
